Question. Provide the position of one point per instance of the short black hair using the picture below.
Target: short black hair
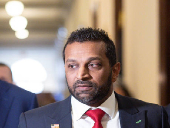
(96, 35)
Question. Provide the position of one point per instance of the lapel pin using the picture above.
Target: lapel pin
(138, 121)
(55, 126)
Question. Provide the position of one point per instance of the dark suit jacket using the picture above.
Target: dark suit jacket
(167, 108)
(14, 101)
(132, 113)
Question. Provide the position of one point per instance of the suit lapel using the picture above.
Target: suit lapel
(130, 117)
(5, 102)
(61, 115)
(132, 121)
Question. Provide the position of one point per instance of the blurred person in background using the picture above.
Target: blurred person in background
(45, 98)
(120, 88)
(13, 99)
(5, 73)
(91, 69)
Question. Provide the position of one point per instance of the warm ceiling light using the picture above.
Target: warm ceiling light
(18, 23)
(14, 8)
(22, 34)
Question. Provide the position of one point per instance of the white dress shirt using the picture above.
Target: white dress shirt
(109, 120)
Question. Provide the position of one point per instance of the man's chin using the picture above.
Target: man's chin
(84, 95)
(84, 98)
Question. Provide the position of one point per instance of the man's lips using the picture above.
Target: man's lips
(84, 87)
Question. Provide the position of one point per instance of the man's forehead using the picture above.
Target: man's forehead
(86, 49)
(87, 45)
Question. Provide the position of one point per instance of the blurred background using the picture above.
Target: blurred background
(31, 43)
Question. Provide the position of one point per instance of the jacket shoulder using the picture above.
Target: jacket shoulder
(50, 108)
(128, 101)
(13, 90)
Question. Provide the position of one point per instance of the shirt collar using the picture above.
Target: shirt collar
(109, 107)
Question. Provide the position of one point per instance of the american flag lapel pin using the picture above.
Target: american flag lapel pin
(55, 126)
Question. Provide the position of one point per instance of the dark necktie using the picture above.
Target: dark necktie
(96, 115)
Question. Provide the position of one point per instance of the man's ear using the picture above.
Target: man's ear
(115, 71)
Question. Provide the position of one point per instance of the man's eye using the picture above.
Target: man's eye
(71, 66)
(93, 65)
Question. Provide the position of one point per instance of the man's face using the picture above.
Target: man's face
(5, 74)
(88, 72)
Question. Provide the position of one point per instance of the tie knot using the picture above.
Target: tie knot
(96, 114)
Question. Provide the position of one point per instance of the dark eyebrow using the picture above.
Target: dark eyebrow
(70, 60)
(89, 59)
(94, 58)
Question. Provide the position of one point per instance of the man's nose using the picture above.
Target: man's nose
(83, 73)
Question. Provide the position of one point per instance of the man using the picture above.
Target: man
(91, 68)
(5, 73)
(13, 100)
